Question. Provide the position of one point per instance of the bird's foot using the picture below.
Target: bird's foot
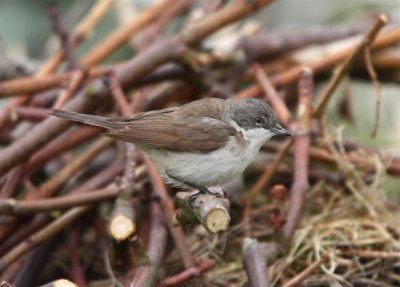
(202, 190)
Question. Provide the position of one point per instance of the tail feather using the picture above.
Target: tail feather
(88, 119)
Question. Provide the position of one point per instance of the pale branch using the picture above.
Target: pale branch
(255, 263)
(60, 283)
(123, 218)
(209, 210)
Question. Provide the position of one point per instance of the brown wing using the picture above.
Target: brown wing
(172, 130)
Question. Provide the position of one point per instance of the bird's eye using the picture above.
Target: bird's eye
(259, 121)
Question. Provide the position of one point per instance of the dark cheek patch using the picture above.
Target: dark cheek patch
(244, 123)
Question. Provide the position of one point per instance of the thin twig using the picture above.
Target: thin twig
(271, 95)
(338, 75)
(97, 181)
(51, 185)
(377, 87)
(147, 275)
(80, 33)
(299, 278)
(62, 33)
(115, 40)
(64, 142)
(202, 267)
(290, 76)
(168, 209)
(301, 152)
(30, 113)
(77, 271)
(33, 85)
(76, 80)
(87, 100)
(18, 207)
(263, 181)
(50, 230)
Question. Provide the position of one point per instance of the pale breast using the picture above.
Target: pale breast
(205, 169)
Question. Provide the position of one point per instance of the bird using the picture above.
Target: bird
(201, 144)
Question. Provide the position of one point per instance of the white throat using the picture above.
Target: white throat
(255, 137)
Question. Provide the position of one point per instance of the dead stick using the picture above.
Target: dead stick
(322, 155)
(149, 35)
(367, 41)
(123, 219)
(51, 185)
(265, 45)
(263, 181)
(299, 278)
(121, 36)
(137, 68)
(385, 39)
(77, 270)
(64, 142)
(53, 228)
(228, 14)
(63, 35)
(168, 209)
(301, 152)
(188, 274)
(21, 207)
(34, 85)
(147, 275)
(271, 95)
(269, 170)
(97, 181)
(76, 80)
(255, 263)
(83, 29)
(377, 87)
(60, 283)
(211, 211)
(87, 100)
(29, 113)
(365, 253)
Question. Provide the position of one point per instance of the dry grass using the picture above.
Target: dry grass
(352, 225)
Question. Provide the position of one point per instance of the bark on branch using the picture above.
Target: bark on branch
(210, 211)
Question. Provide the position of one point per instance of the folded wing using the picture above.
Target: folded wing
(173, 131)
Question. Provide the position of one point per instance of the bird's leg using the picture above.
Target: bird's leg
(201, 189)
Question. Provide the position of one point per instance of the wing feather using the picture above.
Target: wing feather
(173, 130)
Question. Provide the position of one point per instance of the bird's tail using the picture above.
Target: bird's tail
(88, 119)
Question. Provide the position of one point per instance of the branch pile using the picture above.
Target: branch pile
(312, 209)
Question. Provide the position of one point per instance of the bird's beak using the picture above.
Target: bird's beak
(278, 130)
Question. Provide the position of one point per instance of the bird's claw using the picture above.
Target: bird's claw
(202, 190)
